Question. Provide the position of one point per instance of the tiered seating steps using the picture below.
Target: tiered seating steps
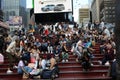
(71, 70)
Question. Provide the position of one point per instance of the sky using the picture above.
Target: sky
(29, 3)
(79, 3)
(76, 5)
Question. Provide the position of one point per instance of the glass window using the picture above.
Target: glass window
(106, 16)
(109, 7)
(113, 7)
(110, 16)
(113, 15)
(113, 11)
(106, 11)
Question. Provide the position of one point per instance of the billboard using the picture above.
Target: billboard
(15, 20)
(52, 6)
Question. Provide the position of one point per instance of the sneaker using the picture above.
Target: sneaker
(107, 64)
(63, 60)
(9, 71)
(67, 60)
(76, 60)
(114, 60)
(100, 62)
(91, 64)
(15, 67)
(56, 76)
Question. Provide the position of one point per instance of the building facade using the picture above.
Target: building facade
(95, 8)
(1, 13)
(107, 11)
(0, 4)
(84, 15)
(14, 8)
(10, 8)
(103, 10)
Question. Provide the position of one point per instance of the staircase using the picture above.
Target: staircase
(3, 69)
(71, 70)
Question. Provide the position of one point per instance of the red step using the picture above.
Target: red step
(72, 56)
(71, 70)
(69, 64)
(96, 52)
(6, 62)
(94, 59)
(97, 48)
(97, 58)
(98, 55)
(86, 78)
(81, 74)
(4, 70)
(80, 68)
(4, 65)
(12, 75)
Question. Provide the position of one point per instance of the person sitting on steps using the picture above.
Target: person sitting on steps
(85, 60)
(64, 52)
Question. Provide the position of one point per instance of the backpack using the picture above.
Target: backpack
(48, 74)
(26, 56)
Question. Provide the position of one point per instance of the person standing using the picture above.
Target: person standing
(102, 25)
(2, 42)
(12, 52)
(106, 31)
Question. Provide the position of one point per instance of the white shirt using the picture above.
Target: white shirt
(11, 47)
(107, 32)
(20, 64)
(102, 25)
(79, 43)
(43, 64)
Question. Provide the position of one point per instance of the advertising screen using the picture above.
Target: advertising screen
(15, 20)
(52, 6)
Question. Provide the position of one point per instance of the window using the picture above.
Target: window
(113, 7)
(106, 16)
(110, 7)
(106, 12)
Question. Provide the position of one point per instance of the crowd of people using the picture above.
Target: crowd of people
(47, 45)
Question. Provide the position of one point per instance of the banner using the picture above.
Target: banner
(15, 20)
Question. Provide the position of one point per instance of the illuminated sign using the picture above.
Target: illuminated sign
(52, 6)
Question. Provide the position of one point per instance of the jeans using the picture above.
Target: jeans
(28, 69)
(65, 55)
(12, 59)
